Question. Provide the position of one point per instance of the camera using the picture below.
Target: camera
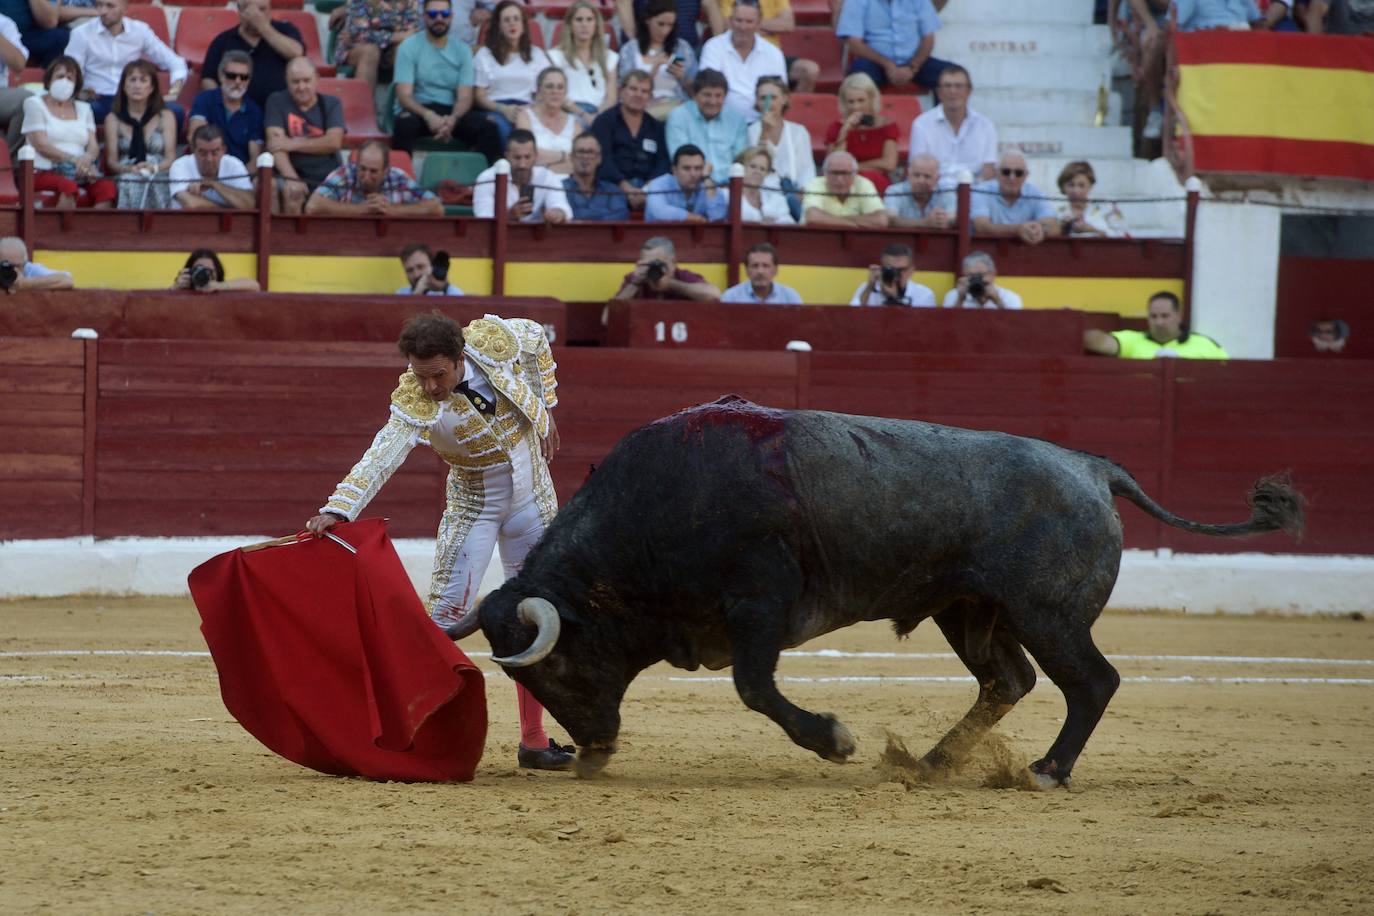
(201, 276)
(867, 121)
(977, 286)
(9, 274)
(654, 272)
(891, 275)
(438, 265)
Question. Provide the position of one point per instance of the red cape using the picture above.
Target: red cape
(328, 658)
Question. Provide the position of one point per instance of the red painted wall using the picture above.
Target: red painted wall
(1321, 288)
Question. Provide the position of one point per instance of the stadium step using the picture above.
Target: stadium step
(1040, 71)
(1043, 106)
(965, 41)
(1041, 140)
(980, 12)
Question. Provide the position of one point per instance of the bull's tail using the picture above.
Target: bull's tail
(1274, 506)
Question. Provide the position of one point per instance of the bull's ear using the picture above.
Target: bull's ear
(565, 613)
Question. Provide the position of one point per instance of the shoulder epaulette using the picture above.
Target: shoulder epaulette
(410, 403)
(491, 341)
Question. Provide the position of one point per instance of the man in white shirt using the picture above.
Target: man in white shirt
(743, 57)
(889, 282)
(956, 135)
(208, 177)
(533, 194)
(104, 45)
(13, 56)
(978, 287)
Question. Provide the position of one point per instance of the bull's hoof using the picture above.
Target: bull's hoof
(591, 760)
(842, 741)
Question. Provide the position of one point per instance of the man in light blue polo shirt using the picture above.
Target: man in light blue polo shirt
(1009, 205)
(720, 133)
(683, 195)
(892, 41)
(761, 264)
(433, 80)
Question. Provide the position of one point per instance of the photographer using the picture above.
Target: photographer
(18, 273)
(889, 282)
(204, 273)
(978, 287)
(657, 276)
(426, 272)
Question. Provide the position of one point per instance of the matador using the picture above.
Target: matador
(481, 397)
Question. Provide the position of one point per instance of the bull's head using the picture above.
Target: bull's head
(579, 680)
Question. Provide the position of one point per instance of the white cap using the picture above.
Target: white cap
(736, 170)
(964, 176)
(26, 153)
(502, 167)
(1193, 184)
(799, 346)
(85, 334)
(265, 160)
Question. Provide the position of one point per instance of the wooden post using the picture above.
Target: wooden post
(1168, 408)
(26, 199)
(1194, 188)
(500, 228)
(90, 391)
(962, 220)
(262, 224)
(735, 235)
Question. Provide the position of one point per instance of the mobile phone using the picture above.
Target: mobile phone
(866, 121)
(527, 192)
(677, 59)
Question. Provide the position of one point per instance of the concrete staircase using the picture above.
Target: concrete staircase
(1038, 70)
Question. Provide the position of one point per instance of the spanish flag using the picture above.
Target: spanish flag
(1273, 102)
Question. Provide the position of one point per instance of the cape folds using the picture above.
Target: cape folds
(328, 658)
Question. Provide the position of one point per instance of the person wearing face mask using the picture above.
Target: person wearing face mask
(230, 108)
(61, 130)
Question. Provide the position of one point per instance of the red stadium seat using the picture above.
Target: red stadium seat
(305, 21)
(902, 109)
(155, 16)
(197, 28)
(9, 187)
(824, 48)
(360, 112)
(811, 12)
(557, 9)
(536, 34)
(612, 35)
(27, 75)
(815, 111)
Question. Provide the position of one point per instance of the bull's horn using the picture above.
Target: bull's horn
(466, 625)
(535, 612)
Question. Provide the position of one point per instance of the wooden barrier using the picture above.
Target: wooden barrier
(236, 437)
(157, 314)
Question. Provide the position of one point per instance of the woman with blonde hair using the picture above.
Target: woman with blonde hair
(863, 132)
(787, 142)
(588, 64)
(140, 139)
(762, 200)
(554, 121)
(1078, 214)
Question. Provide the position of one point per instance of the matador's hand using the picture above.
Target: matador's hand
(322, 523)
(548, 445)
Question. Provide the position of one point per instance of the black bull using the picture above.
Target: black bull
(729, 532)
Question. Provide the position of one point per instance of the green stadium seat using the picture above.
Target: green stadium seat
(459, 167)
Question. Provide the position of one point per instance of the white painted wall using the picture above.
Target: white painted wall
(1201, 583)
(1236, 274)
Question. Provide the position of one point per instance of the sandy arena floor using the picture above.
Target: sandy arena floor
(1240, 785)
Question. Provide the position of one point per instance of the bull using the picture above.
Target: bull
(728, 532)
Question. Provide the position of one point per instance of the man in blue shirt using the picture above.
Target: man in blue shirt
(719, 133)
(27, 274)
(231, 110)
(1009, 205)
(892, 41)
(761, 264)
(685, 195)
(634, 148)
(592, 198)
(433, 78)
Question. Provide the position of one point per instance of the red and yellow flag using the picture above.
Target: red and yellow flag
(1275, 102)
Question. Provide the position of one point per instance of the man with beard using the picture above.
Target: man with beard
(230, 108)
(305, 131)
(433, 80)
(533, 194)
(371, 186)
(269, 43)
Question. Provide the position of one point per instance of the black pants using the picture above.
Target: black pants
(473, 128)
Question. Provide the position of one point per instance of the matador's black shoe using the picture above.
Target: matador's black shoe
(553, 757)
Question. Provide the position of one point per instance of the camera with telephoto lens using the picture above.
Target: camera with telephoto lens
(977, 286)
(891, 275)
(201, 276)
(9, 274)
(654, 272)
(438, 265)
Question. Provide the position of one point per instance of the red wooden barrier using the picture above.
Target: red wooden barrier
(680, 325)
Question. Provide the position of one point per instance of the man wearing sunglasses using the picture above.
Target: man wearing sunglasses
(229, 108)
(1009, 205)
(433, 79)
(269, 43)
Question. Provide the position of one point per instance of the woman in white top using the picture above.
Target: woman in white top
(670, 62)
(589, 65)
(554, 121)
(787, 142)
(762, 200)
(506, 70)
(1079, 215)
(61, 131)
